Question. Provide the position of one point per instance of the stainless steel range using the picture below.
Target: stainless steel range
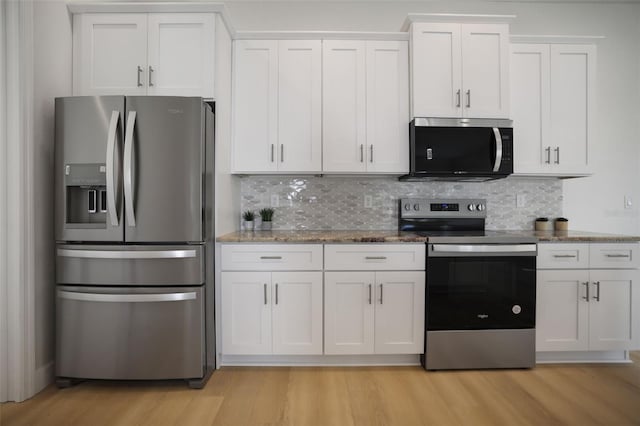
(481, 287)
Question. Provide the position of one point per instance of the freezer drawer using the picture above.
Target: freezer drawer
(131, 333)
(130, 265)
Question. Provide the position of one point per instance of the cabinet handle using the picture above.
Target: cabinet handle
(272, 153)
(458, 99)
(370, 293)
(617, 255)
(548, 152)
(150, 72)
(265, 293)
(557, 151)
(381, 294)
(597, 295)
(469, 98)
(282, 153)
(270, 257)
(375, 257)
(371, 156)
(139, 76)
(565, 255)
(586, 284)
(276, 293)
(361, 153)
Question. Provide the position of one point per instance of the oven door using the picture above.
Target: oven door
(480, 287)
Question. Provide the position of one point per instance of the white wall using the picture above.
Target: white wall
(52, 78)
(594, 203)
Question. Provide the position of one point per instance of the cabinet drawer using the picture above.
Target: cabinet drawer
(363, 257)
(617, 255)
(563, 256)
(271, 257)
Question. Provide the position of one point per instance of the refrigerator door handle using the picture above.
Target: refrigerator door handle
(112, 208)
(120, 298)
(128, 169)
(125, 254)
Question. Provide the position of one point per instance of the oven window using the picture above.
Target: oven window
(467, 293)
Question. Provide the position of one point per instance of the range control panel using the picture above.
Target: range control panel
(443, 208)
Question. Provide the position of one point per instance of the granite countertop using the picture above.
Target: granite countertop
(382, 236)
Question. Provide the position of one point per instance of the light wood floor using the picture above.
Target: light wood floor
(547, 395)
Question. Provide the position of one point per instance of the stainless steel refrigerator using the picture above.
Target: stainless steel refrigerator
(134, 232)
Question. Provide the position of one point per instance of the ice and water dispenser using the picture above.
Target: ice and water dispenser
(86, 195)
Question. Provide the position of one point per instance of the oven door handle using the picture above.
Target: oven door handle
(482, 249)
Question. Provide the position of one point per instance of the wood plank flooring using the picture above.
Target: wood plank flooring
(581, 394)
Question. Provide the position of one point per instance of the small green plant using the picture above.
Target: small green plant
(266, 214)
(248, 216)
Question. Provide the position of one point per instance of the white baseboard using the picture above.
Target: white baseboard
(43, 377)
(319, 360)
(582, 357)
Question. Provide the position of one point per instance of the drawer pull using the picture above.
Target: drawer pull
(375, 257)
(565, 255)
(617, 255)
(270, 257)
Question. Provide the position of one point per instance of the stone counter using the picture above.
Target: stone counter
(319, 237)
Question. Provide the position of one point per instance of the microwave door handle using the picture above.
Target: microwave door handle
(496, 165)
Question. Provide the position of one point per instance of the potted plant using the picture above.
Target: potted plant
(266, 214)
(248, 217)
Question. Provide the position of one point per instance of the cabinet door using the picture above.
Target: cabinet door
(348, 312)
(530, 86)
(614, 308)
(562, 310)
(297, 313)
(387, 107)
(572, 106)
(436, 70)
(399, 316)
(485, 70)
(299, 106)
(255, 105)
(246, 313)
(181, 54)
(110, 54)
(344, 106)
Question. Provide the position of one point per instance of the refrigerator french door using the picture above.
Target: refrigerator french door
(135, 251)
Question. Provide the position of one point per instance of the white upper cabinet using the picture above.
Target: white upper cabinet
(344, 106)
(552, 98)
(110, 54)
(365, 107)
(181, 61)
(255, 105)
(299, 106)
(277, 106)
(144, 54)
(460, 70)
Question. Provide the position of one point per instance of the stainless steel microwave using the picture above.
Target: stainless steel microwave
(463, 149)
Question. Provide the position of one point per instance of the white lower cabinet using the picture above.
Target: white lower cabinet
(272, 313)
(370, 312)
(588, 309)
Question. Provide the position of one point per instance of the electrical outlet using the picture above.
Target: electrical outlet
(521, 200)
(628, 202)
(275, 200)
(368, 201)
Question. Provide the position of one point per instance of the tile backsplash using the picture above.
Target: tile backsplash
(337, 203)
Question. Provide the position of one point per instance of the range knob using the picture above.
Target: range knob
(471, 207)
(407, 207)
(480, 207)
(416, 207)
